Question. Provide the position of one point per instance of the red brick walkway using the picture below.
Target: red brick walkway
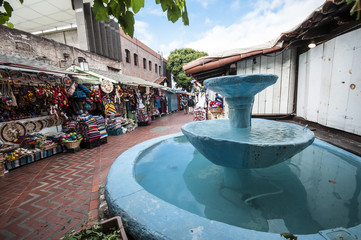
(50, 197)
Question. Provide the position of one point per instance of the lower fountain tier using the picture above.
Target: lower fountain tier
(264, 144)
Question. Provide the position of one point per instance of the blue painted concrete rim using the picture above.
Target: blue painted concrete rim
(152, 218)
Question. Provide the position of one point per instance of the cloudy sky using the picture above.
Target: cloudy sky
(219, 25)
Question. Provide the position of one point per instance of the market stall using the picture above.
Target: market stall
(132, 100)
(46, 110)
(33, 105)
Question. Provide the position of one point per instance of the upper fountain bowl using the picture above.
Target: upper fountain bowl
(239, 92)
(243, 86)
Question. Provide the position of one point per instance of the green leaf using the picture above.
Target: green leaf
(100, 11)
(185, 16)
(127, 3)
(164, 4)
(137, 5)
(173, 13)
(10, 25)
(8, 8)
(129, 19)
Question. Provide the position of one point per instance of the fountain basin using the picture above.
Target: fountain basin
(149, 215)
(265, 144)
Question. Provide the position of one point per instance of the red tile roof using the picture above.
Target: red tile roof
(160, 80)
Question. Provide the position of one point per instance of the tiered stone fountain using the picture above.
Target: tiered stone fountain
(239, 142)
(237, 178)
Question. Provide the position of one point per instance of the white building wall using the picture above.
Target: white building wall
(278, 98)
(329, 83)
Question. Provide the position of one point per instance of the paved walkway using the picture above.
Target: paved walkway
(48, 198)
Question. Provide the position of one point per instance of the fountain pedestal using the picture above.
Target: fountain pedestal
(242, 142)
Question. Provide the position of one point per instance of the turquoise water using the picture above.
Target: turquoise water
(314, 190)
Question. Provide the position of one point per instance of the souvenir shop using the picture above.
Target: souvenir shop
(45, 112)
(128, 98)
(33, 102)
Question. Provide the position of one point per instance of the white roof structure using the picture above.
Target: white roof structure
(43, 15)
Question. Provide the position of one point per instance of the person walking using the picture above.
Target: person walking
(191, 104)
(185, 104)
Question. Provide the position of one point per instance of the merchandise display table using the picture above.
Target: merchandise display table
(33, 157)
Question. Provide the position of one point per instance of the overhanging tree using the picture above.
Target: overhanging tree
(177, 59)
(122, 10)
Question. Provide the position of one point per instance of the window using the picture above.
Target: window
(113, 69)
(150, 66)
(135, 59)
(156, 68)
(127, 56)
(160, 72)
(144, 63)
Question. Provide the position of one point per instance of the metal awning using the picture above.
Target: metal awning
(95, 76)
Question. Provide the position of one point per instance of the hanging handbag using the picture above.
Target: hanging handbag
(72, 88)
(11, 93)
(79, 94)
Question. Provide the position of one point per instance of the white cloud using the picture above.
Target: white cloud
(166, 49)
(205, 3)
(208, 21)
(157, 12)
(142, 32)
(266, 22)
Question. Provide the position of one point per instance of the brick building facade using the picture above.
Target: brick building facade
(23, 44)
(102, 44)
(139, 60)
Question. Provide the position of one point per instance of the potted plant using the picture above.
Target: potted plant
(110, 229)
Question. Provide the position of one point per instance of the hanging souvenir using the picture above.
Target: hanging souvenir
(106, 86)
(16, 75)
(43, 76)
(109, 106)
(95, 95)
(26, 78)
(14, 102)
(67, 81)
(72, 88)
(57, 79)
(38, 125)
(12, 130)
(6, 95)
(34, 79)
(51, 79)
(30, 127)
(4, 75)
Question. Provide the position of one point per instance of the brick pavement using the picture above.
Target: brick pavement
(48, 198)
